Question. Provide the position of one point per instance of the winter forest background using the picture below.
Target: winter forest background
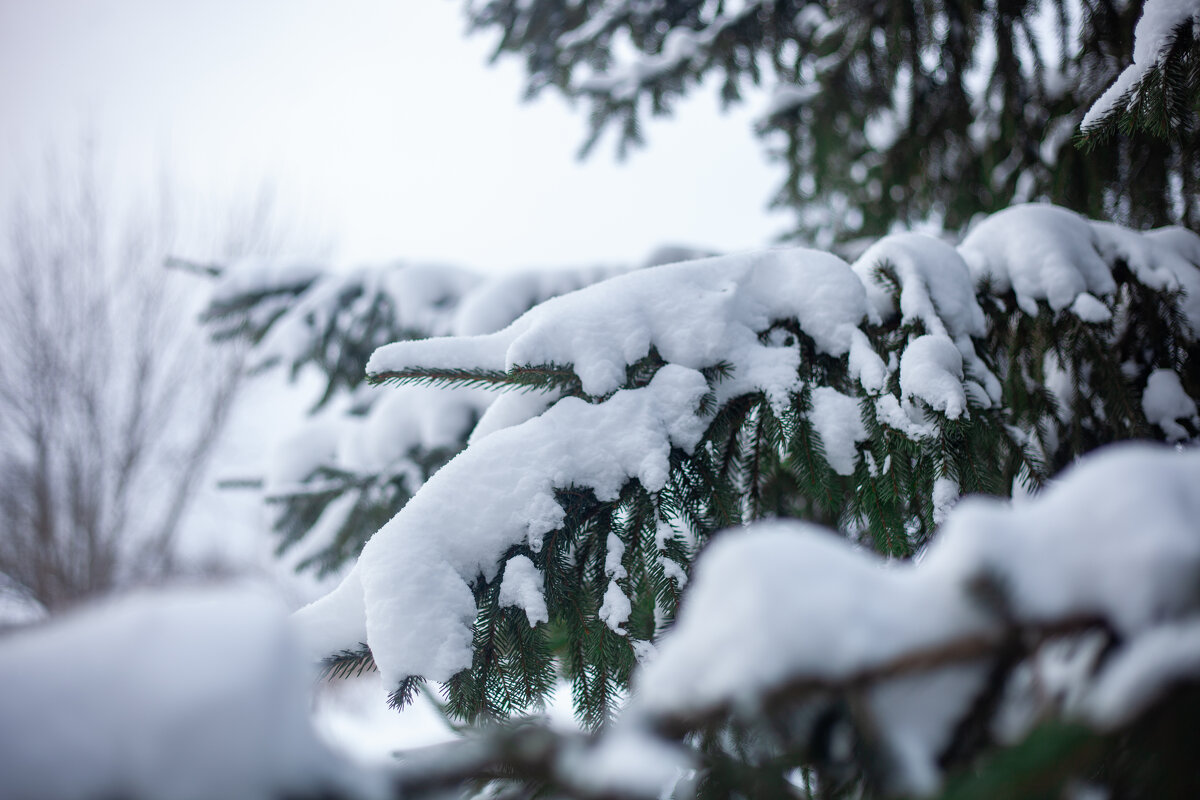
(358, 440)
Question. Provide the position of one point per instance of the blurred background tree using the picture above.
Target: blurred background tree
(887, 115)
(110, 400)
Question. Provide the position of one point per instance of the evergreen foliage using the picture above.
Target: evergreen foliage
(1026, 379)
(888, 114)
(1159, 94)
(304, 316)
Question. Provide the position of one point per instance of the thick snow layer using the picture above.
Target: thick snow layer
(410, 584)
(935, 284)
(628, 762)
(866, 365)
(695, 314)
(521, 586)
(1186, 268)
(510, 409)
(917, 715)
(1151, 38)
(821, 610)
(837, 420)
(1115, 538)
(931, 369)
(1165, 403)
(175, 695)
(1041, 252)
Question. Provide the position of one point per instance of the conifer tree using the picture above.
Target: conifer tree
(364, 452)
(772, 446)
(892, 114)
(642, 418)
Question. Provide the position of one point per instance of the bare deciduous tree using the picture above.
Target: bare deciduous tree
(110, 399)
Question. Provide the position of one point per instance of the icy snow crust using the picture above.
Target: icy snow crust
(1116, 539)
(410, 589)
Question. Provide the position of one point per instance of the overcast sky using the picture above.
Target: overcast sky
(381, 122)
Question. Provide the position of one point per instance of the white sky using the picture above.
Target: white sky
(378, 121)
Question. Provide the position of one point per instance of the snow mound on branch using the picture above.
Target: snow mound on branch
(935, 284)
(695, 314)
(822, 610)
(1115, 540)
(1165, 402)
(836, 418)
(931, 369)
(410, 586)
(174, 695)
(1042, 252)
(522, 587)
(1186, 245)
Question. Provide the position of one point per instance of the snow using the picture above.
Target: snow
(935, 284)
(1186, 245)
(931, 369)
(1138, 674)
(820, 608)
(522, 587)
(1151, 37)
(410, 594)
(1165, 402)
(1115, 538)
(695, 314)
(945, 495)
(786, 97)
(680, 47)
(410, 585)
(866, 365)
(836, 418)
(511, 409)
(1041, 252)
(615, 608)
(191, 693)
(628, 762)
(310, 447)
(612, 557)
(499, 300)
(917, 715)
(1089, 309)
